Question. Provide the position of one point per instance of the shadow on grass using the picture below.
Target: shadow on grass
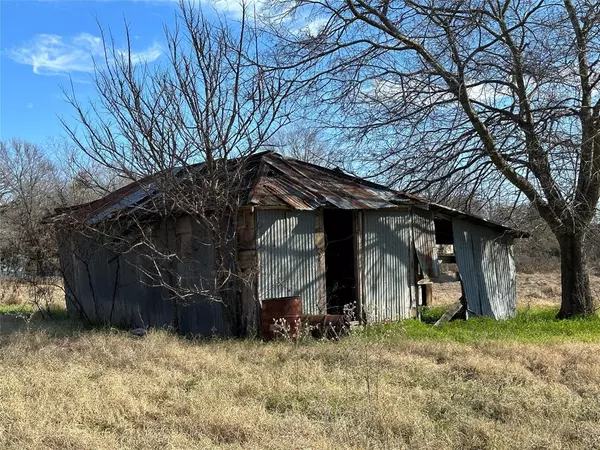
(16, 319)
(531, 325)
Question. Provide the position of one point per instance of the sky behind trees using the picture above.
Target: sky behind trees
(45, 44)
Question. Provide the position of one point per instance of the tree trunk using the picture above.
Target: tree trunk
(575, 281)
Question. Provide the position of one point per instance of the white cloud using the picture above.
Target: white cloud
(316, 25)
(229, 6)
(51, 54)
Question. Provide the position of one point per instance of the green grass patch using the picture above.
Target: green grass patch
(54, 312)
(432, 315)
(536, 325)
(16, 309)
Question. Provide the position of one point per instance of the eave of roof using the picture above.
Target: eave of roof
(277, 181)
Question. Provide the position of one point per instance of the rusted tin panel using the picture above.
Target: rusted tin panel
(386, 260)
(486, 266)
(424, 238)
(277, 191)
(287, 256)
(305, 186)
(270, 180)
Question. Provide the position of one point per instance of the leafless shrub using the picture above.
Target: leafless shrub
(184, 134)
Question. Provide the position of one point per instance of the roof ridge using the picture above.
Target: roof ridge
(341, 173)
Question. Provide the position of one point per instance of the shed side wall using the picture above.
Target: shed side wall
(114, 290)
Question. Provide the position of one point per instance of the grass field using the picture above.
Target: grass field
(539, 289)
(532, 382)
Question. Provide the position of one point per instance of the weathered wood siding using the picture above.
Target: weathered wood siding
(248, 267)
(486, 266)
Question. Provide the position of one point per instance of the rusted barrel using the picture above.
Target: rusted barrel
(281, 317)
(326, 325)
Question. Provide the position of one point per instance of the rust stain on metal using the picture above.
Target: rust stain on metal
(272, 181)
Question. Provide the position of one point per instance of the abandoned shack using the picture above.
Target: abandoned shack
(339, 242)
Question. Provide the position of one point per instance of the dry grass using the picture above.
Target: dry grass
(46, 292)
(63, 387)
(544, 288)
(106, 390)
(539, 289)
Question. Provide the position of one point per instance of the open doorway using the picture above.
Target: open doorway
(445, 289)
(339, 259)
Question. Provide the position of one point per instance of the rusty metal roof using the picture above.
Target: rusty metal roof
(304, 186)
(273, 181)
(126, 198)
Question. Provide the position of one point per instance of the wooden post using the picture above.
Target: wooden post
(427, 294)
(414, 309)
(321, 264)
(359, 266)
(247, 264)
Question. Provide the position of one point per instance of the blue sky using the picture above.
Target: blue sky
(44, 44)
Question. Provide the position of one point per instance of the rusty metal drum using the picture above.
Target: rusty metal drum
(281, 316)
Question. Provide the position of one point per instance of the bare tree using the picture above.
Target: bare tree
(81, 178)
(183, 131)
(28, 188)
(496, 95)
(307, 143)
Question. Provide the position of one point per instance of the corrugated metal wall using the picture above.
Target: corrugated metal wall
(93, 279)
(109, 290)
(116, 291)
(138, 302)
(424, 236)
(287, 256)
(486, 266)
(386, 259)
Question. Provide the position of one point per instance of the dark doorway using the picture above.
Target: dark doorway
(443, 231)
(339, 259)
